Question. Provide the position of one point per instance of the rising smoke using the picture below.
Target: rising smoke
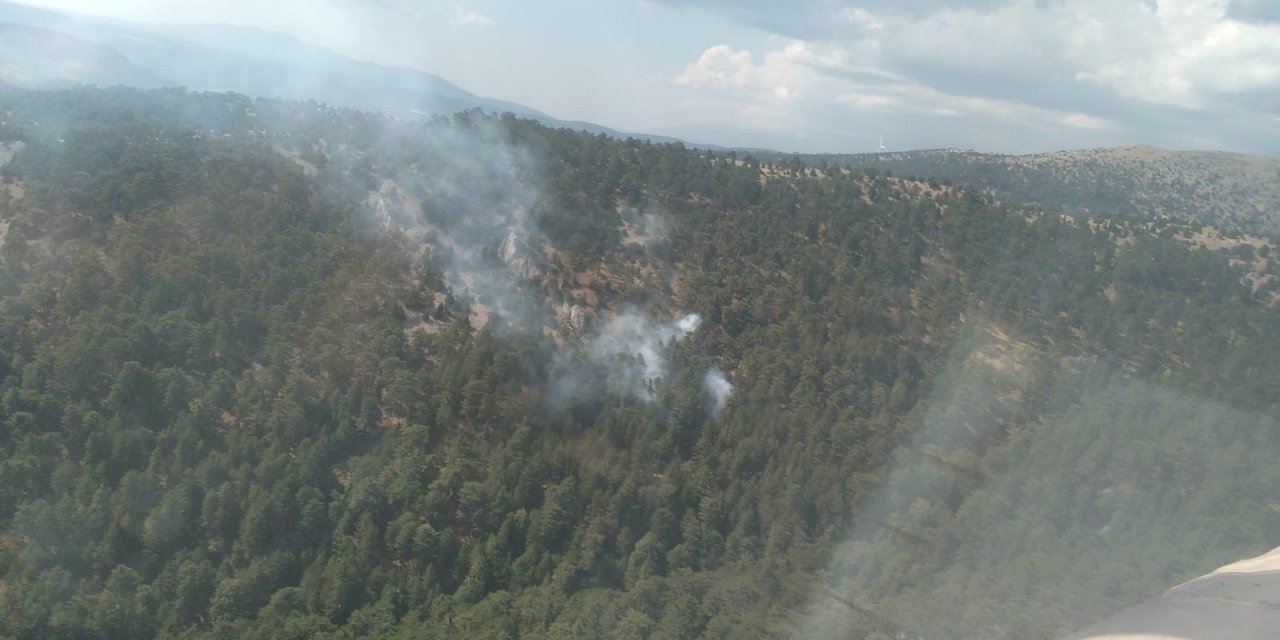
(627, 358)
(464, 206)
(718, 390)
(632, 348)
(466, 209)
(464, 200)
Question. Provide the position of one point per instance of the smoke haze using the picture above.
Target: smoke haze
(627, 358)
(718, 390)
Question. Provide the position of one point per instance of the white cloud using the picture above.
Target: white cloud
(1083, 121)
(768, 94)
(1133, 70)
(1192, 55)
(868, 100)
(466, 17)
(717, 67)
(720, 67)
(861, 18)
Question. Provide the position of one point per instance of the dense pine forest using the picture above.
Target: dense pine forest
(280, 370)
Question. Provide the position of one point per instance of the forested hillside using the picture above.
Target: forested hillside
(1232, 191)
(277, 370)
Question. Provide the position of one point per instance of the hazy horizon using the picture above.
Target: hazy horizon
(1005, 76)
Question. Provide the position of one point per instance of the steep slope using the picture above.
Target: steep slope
(1232, 191)
(275, 369)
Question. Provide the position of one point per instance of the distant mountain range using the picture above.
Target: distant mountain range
(1233, 191)
(40, 58)
(46, 49)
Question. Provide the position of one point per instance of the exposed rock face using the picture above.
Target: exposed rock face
(515, 253)
(1240, 601)
(393, 208)
(571, 317)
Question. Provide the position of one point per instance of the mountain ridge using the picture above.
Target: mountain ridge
(261, 62)
(52, 59)
(1235, 191)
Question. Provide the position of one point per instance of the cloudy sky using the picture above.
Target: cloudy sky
(826, 75)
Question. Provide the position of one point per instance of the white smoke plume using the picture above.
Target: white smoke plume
(462, 197)
(627, 358)
(718, 390)
(632, 346)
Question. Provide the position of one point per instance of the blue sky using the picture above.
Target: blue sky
(826, 75)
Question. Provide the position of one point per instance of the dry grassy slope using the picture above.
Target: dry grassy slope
(1229, 190)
